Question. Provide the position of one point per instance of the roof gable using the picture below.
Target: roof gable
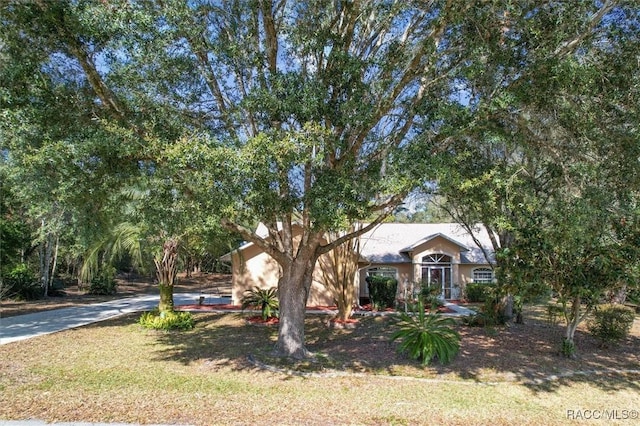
(425, 240)
(391, 242)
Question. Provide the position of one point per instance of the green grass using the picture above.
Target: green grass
(117, 371)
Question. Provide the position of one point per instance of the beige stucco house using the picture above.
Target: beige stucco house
(443, 253)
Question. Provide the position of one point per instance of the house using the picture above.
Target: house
(444, 254)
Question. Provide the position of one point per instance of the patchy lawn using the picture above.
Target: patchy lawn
(222, 373)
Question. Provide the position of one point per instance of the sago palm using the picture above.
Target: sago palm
(426, 336)
(264, 299)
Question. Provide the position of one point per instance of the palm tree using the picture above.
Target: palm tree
(126, 238)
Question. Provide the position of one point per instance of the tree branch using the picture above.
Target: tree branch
(569, 45)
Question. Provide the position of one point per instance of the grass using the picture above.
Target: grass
(117, 371)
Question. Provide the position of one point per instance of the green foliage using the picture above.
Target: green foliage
(568, 348)
(633, 295)
(427, 336)
(21, 282)
(491, 314)
(476, 292)
(104, 283)
(611, 323)
(430, 295)
(334, 116)
(264, 299)
(382, 291)
(554, 313)
(169, 320)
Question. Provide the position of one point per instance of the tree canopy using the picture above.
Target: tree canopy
(305, 116)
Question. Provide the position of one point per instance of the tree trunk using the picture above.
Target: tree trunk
(45, 263)
(293, 291)
(507, 307)
(55, 262)
(166, 270)
(573, 318)
(166, 298)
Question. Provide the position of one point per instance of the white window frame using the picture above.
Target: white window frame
(482, 275)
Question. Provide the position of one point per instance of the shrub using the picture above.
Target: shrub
(21, 282)
(478, 293)
(104, 283)
(611, 323)
(382, 291)
(264, 299)
(168, 320)
(430, 295)
(56, 289)
(568, 348)
(491, 314)
(427, 336)
(633, 295)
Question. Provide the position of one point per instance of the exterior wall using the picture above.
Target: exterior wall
(251, 267)
(466, 273)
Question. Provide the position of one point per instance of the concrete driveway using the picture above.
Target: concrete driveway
(23, 327)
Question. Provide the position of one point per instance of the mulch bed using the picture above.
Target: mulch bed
(207, 307)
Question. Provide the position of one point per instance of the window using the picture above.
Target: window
(382, 271)
(482, 275)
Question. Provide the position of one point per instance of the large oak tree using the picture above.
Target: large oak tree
(305, 116)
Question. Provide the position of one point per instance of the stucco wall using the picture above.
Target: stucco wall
(251, 267)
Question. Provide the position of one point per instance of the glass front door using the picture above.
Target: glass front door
(440, 277)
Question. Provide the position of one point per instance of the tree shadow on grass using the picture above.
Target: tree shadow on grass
(526, 354)
(217, 339)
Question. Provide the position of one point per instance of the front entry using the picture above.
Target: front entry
(436, 270)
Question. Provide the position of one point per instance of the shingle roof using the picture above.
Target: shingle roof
(390, 242)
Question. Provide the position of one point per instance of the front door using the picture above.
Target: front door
(439, 276)
(436, 270)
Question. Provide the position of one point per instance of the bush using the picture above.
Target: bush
(611, 323)
(21, 282)
(56, 289)
(491, 314)
(430, 295)
(104, 283)
(382, 291)
(264, 299)
(427, 336)
(167, 320)
(478, 293)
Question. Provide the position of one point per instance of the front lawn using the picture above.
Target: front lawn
(222, 373)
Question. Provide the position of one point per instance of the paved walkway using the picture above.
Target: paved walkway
(26, 326)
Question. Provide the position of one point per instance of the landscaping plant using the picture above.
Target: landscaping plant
(104, 283)
(264, 299)
(22, 283)
(477, 292)
(611, 323)
(167, 320)
(382, 291)
(427, 336)
(430, 295)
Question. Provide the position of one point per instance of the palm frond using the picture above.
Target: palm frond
(124, 239)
